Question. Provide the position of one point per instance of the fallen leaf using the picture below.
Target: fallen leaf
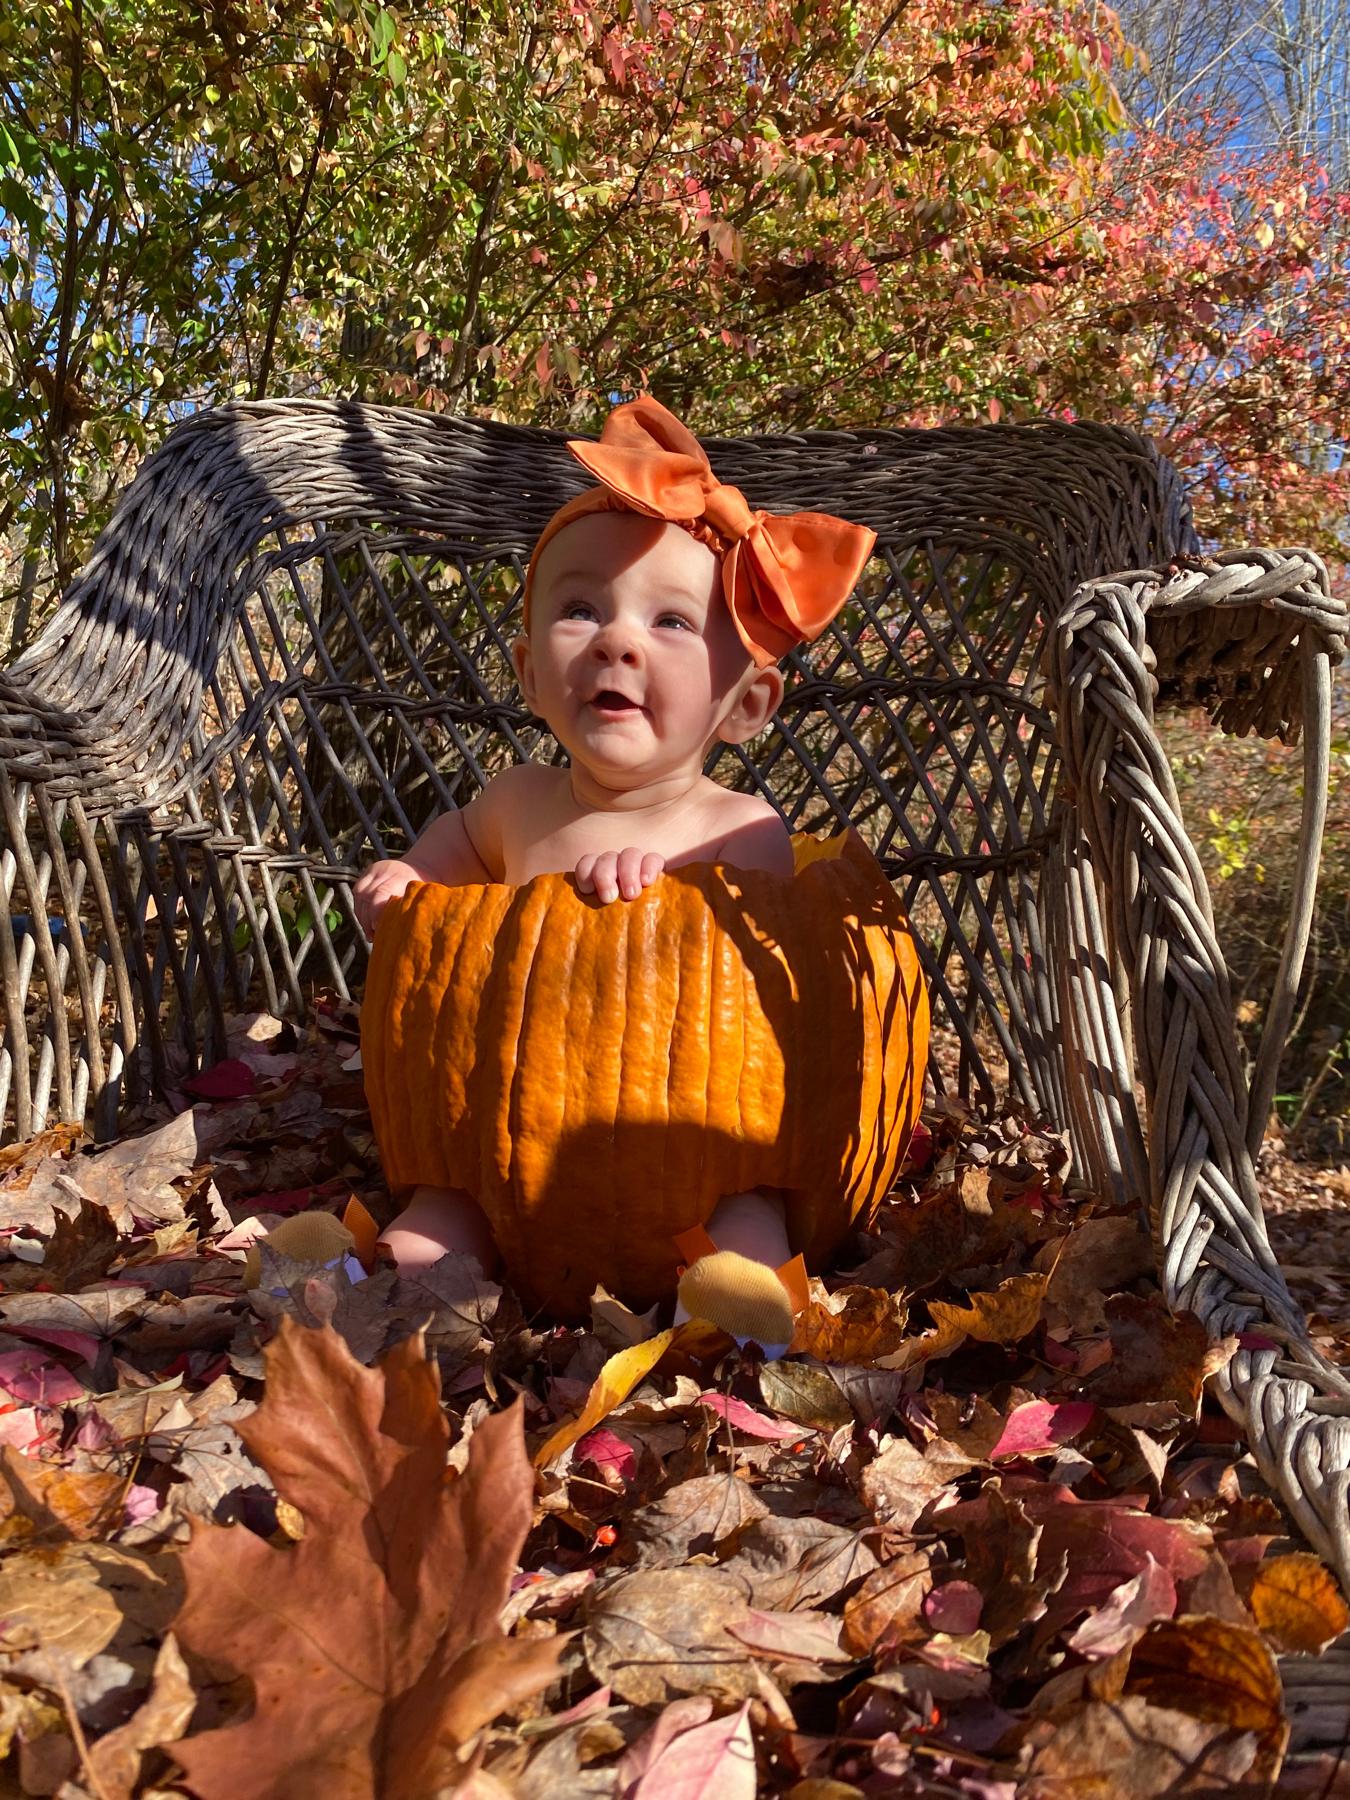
(1006, 1315)
(1041, 1426)
(162, 1718)
(955, 1228)
(1097, 1257)
(360, 1312)
(1149, 1595)
(680, 1715)
(606, 1451)
(32, 1376)
(44, 1502)
(693, 1518)
(544, 1596)
(76, 1322)
(79, 1251)
(809, 1395)
(1218, 1672)
(790, 1563)
(806, 1635)
(372, 1643)
(458, 1302)
(18, 1162)
(1085, 1549)
(1295, 1600)
(133, 1178)
(1132, 1750)
(232, 1079)
(1003, 1559)
(611, 1388)
(617, 1326)
(52, 1600)
(899, 1484)
(851, 1325)
(715, 1761)
(660, 1633)
(954, 1609)
(744, 1418)
(889, 1600)
(1156, 1355)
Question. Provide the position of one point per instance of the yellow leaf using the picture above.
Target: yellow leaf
(611, 1388)
(854, 1325)
(1295, 1601)
(1214, 1671)
(1009, 1313)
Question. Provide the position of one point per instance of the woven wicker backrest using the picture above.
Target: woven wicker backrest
(294, 636)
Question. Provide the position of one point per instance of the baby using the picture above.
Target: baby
(656, 607)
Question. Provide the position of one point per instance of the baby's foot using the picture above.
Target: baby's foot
(737, 1289)
(437, 1220)
(742, 1297)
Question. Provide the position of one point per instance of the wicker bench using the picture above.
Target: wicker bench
(289, 647)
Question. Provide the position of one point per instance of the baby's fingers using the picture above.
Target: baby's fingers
(585, 871)
(630, 867)
(605, 875)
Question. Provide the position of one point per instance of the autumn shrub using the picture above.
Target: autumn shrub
(1241, 799)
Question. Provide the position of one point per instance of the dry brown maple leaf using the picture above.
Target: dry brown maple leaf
(369, 1641)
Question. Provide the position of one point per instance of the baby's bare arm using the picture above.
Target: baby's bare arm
(456, 849)
(445, 851)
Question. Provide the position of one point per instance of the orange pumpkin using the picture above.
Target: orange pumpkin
(599, 1076)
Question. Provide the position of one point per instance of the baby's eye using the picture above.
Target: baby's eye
(675, 618)
(574, 606)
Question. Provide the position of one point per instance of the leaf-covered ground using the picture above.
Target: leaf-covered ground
(980, 1536)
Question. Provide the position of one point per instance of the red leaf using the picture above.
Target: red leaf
(754, 1424)
(228, 1080)
(955, 1608)
(605, 1449)
(1042, 1425)
(32, 1377)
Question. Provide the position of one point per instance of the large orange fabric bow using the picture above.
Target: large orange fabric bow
(784, 575)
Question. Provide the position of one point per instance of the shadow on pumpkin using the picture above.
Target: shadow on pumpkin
(800, 1073)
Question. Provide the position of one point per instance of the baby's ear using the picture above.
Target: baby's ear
(518, 651)
(759, 701)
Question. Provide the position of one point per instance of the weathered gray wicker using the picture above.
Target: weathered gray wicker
(289, 647)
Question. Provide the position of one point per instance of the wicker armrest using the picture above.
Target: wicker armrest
(1255, 635)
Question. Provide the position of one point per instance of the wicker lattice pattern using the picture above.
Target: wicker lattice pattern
(289, 648)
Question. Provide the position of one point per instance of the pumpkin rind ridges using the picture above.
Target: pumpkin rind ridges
(700, 1060)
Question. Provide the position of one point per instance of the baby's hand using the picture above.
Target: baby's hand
(614, 872)
(381, 883)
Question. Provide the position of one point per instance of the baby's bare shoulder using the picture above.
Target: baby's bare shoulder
(512, 801)
(753, 836)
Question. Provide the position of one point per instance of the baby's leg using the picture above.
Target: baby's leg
(753, 1224)
(437, 1219)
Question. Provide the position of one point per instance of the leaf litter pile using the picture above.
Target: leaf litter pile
(979, 1535)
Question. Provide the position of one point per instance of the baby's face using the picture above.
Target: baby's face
(634, 606)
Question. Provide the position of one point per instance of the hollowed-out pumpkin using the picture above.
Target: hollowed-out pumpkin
(599, 1076)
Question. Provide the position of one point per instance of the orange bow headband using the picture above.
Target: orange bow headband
(784, 575)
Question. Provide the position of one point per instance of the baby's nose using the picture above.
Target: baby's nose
(619, 640)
